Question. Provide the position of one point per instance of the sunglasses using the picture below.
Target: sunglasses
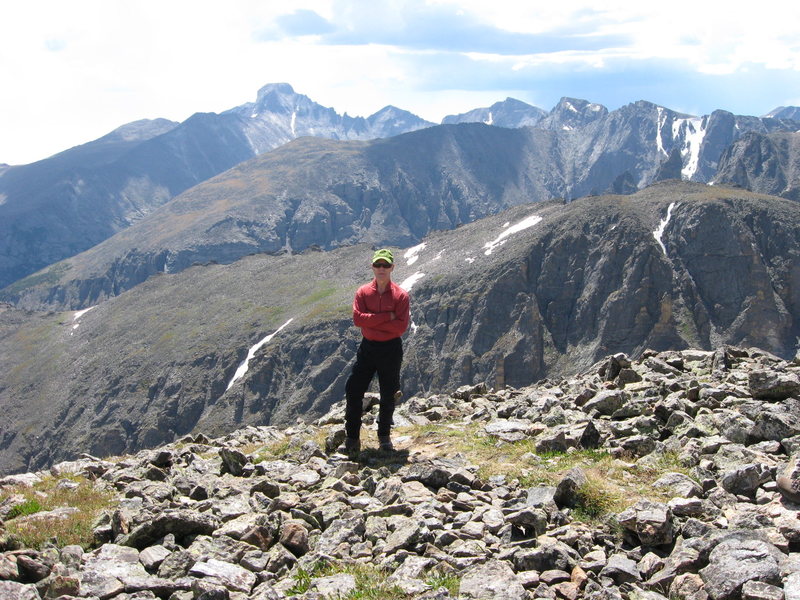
(381, 265)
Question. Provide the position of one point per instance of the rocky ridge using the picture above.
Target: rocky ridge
(208, 518)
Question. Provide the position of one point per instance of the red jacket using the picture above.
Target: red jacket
(371, 311)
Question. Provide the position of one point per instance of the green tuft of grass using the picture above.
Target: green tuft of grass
(29, 507)
(438, 580)
(371, 581)
(595, 500)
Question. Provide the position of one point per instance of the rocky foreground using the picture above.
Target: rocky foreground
(221, 519)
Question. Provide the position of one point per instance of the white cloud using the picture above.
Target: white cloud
(75, 70)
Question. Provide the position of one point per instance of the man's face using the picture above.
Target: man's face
(382, 270)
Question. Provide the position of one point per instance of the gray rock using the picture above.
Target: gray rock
(11, 590)
(621, 569)
(566, 493)
(606, 402)
(757, 590)
(650, 522)
(742, 480)
(348, 529)
(406, 531)
(775, 425)
(334, 586)
(548, 555)
(773, 385)
(679, 484)
(152, 557)
(179, 522)
(232, 577)
(791, 586)
(494, 580)
(737, 560)
(688, 586)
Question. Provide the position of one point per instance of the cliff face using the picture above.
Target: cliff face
(537, 291)
(765, 163)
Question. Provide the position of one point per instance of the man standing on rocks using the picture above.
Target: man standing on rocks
(381, 310)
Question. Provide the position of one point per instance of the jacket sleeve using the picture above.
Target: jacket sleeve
(402, 313)
(363, 318)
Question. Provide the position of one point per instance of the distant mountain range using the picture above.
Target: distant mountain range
(63, 205)
(539, 290)
(316, 192)
(58, 207)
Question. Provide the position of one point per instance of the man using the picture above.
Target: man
(381, 310)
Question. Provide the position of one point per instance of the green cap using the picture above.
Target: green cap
(383, 254)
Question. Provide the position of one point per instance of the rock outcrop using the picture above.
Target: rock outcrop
(204, 518)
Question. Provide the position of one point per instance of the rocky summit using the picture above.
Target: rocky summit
(675, 475)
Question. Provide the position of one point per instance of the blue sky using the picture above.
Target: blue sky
(73, 71)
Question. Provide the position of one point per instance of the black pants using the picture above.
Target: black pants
(383, 358)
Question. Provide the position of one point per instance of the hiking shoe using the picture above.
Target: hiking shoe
(385, 443)
(398, 395)
(351, 447)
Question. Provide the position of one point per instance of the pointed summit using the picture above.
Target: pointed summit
(573, 113)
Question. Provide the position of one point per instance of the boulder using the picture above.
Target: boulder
(737, 559)
(650, 522)
(494, 580)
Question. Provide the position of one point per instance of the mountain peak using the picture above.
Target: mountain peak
(573, 113)
(785, 112)
(283, 89)
(510, 113)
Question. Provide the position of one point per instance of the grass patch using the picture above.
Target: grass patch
(370, 581)
(595, 499)
(612, 486)
(47, 495)
(277, 450)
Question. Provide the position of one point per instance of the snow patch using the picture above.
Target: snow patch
(251, 353)
(410, 281)
(694, 133)
(76, 317)
(470, 260)
(294, 120)
(500, 239)
(658, 233)
(662, 119)
(489, 120)
(412, 254)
